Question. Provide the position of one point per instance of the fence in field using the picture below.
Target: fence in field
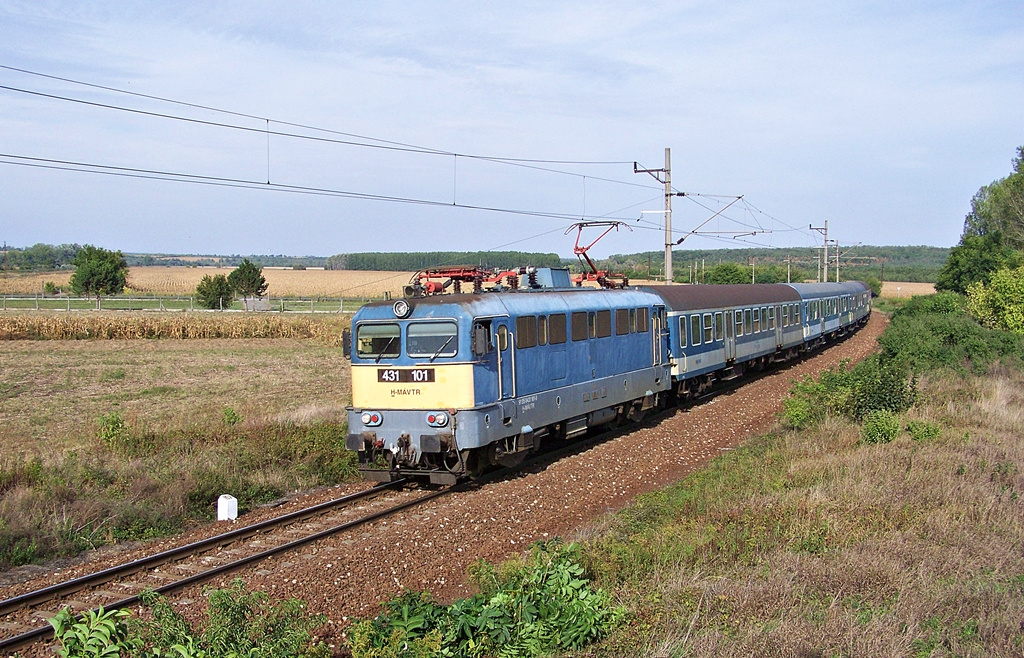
(118, 303)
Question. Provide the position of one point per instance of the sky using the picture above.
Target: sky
(318, 128)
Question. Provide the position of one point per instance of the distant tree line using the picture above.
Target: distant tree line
(917, 263)
(40, 257)
(410, 262)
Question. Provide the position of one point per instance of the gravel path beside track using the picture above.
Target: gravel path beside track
(431, 548)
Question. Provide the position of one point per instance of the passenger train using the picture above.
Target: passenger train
(446, 385)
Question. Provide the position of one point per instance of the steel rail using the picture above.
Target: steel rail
(43, 632)
(71, 586)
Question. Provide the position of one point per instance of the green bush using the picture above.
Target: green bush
(880, 426)
(120, 439)
(98, 634)
(852, 392)
(239, 623)
(543, 605)
(231, 417)
(941, 303)
(880, 385)
(921, 430)
(930, 341)
(999, 304)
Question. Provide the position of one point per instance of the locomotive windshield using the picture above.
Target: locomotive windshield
(378, 340)
(432, 339)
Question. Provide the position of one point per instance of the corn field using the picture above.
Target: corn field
(125, 326)
(183, 281)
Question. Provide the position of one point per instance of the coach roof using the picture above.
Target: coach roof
(691, 298)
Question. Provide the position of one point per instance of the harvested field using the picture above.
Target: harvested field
(905, 289)
(183, 281)
(53, 393)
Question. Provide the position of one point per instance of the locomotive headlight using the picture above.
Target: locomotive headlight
(371, 418)
(437, 419)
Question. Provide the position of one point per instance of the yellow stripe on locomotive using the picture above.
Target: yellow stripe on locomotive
(424, 387)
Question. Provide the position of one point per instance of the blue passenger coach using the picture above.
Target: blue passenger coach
(716, 331)
(444, 384)
(831, 308)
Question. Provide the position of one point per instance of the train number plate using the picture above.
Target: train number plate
(413, 376)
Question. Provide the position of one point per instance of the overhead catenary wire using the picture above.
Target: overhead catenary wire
(354, 140)
(151, 174)
(529, 163)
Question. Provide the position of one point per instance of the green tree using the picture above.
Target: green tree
(975, 259)
(247, 280)
(727, 273)
(214, 292)
(1000, 303)
(98, 272)
(1000, 207)
(874, 284)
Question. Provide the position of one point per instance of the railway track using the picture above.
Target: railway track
(17, 613)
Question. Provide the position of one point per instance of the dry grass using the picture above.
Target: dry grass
(126, 439)
(905, 289)
(182, 281)
(53, 393)
(814, 544)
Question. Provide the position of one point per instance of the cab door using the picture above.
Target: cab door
(504, 347)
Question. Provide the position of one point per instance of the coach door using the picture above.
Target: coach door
(777, 324)
(730, 336)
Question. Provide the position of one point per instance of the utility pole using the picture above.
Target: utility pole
(667, 180)
(669, 243)
(823, 230)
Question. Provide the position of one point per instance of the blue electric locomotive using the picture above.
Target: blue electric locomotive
(445, 384)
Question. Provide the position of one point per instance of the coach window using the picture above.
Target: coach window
(771, 318)
(579, 325)
(542, 330)
(621, 321)
(695, 330)
(642, 323)
(708, 329)
(796, 313)
(747, 321)
(719, 327)
(378, 340)
(757, 320)
(604, 324)
(739, 323)
(526, 331)
(764, 318)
